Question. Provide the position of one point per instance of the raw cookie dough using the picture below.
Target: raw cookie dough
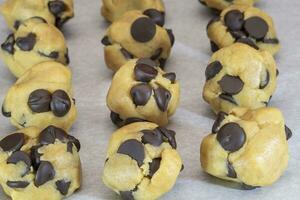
(114, 9)
(142, 162)
(222, 4)
(247, 146)
(34, 42)
(243, 24)
(53, 11)
(42, 96)
(239, 75)
(141, 91)
(135, 35)
(39, 164)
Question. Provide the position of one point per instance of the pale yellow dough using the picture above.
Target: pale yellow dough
(50, 76)
(263, 157)
(123, 174)
(222, 4)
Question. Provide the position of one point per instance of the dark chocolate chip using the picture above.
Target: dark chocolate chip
(134, 149)
(171, 36)
(288, 132)
(238, 34)
(17, 184)
(144, 73)
(270, 41)
(59, 22)
(234, 20)
(265, 81)
(26, 43)
(8, 45)
(249, 42)
(127, 195)
(146, 61)
(67, 58)
(105, 41)
(162, 63)
(141, 94)
(57, 7)
(17, 24)
(231, 172)
(170, 136)
(19, 156)
(213, 20)
(231, 137)
(39, 101)
(133, 120)
(231, 84)
(60, 104)
(154, 166)
(4, 113)
(156, 16)
(115, 118)
(171, 76)
(53, 54)
(63, 186)
(214, 47)
(249, 187)
(126, 53)
(221, 116)
(143, 29)
(35, 157)
(70, 147)
(50, 134)
(157, 54)
(212, 70)
(162, 97)
(153, 137)
(44, 173)
(12, 142)
(256, 27)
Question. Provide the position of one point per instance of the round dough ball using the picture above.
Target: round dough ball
(246, 25)
(247, 146)
(114, 9)
(239, 75)
(34, 42)
(141, 91)
(142, 161)
(42, 96)
(135, 35)
(55, 12)
(222, 4)
(37, 163)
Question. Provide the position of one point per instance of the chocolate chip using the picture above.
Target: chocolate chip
(59, 22)
(26, 43)
(238, 34)
(70, 147)
(256, 27)
(231, 84)
(133, 120)
(162, 97)
(8, 45)
(288, 132)
(171, 76)
(231, 137)
(115, 118)
(35, 156)
(67, 58)
(57, 7)
(53, 54)
(50, 134)
(39, 101)
(171, 36)
(153, 137)
(127, 195)
(4, 113)
(156, 16)
(154, 166)
(170, 136)
(12, 142)
(157, 54)
(141, 94)
(162, 63)
(144, 73)
(60, 104)
(105, 41)
(63, 186)
(17, 24)
(249, 187)
(44, 173)
(231, 172)
(270, 41)
(234, 20)
(126, 54)
(214, 47)
(134, 149)
(212, 21)
(213, 69)
(146, 61)
(17, 184)
(221, 116)
(265, 81)
(249, 42)
(143, 29)
(19, 156)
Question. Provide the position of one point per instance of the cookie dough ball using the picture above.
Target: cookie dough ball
(222, 4)
(42, 96)
(142, 162)
(141, 91)
(243, 24)
(37, 164)
(55, 12)
(247, 146)
(34, 42)
(135, 35)
(239, 75)
(114, 9)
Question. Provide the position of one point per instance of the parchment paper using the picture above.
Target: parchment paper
(193, 119)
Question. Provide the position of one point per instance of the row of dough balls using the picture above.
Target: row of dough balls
(248, 141)
(40, 159)
(142, 160)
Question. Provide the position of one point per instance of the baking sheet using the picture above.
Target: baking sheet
(193, 119)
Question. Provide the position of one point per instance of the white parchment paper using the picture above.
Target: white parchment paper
(193, 119)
